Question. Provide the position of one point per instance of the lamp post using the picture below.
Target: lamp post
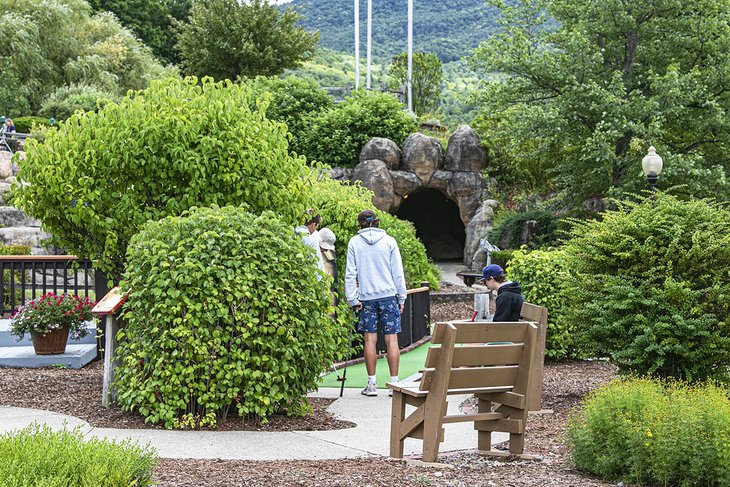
(652, 165)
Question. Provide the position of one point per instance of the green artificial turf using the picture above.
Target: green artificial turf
(410, 363)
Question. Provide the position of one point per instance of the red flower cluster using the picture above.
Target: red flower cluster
(52, 311)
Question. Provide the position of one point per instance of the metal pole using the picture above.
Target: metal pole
(370, 43)
(357, 44)
(409, 81)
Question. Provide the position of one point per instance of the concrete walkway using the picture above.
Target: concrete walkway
(370, 437)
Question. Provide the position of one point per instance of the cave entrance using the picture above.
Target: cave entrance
(438, 224)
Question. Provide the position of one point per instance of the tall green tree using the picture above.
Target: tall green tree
(427, 78)
(150, 20)
(49, 44)
(227, 39)
(585, 87)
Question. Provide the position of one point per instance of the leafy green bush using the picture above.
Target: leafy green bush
(336, 136)
(36, 455)
(180, 143)
(339, 205)
(542, 275)
(650, 287)
(225, 315)
(653, 433)
(292, 100)
(506, 231)
(25, 125)
(66, 100)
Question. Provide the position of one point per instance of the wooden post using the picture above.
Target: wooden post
(108, 394)
(107, 307)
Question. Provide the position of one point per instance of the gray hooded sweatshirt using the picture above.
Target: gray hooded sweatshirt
(374, 268)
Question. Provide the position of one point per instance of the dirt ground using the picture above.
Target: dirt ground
(78, 393)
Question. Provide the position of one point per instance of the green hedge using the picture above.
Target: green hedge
(652, 433)
(25, 125)
(542, 275)
(650, 287)
(38, 456)
(225, 316)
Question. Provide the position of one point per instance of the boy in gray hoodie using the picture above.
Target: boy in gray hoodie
(376, 287)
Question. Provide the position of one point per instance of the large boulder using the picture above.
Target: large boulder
(383, 150)
(341, 173)
(404, 183)
(31, 236)
(441, 181)
(13, 217)
(465, 151)
(422, 155)
(6, 165)
(466, 189)
(477, 229)
(375, 176)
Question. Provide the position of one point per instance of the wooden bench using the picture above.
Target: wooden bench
(465, 364)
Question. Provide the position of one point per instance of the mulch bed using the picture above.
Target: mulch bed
(78, 393)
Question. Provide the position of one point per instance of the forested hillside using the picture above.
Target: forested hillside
(450, 28)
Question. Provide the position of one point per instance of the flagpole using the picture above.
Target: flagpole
(410, 56)
(370, 42)
(357, 44)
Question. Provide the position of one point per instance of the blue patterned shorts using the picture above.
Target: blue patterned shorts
(383, 313)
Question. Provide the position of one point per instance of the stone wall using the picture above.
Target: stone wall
(15, 226)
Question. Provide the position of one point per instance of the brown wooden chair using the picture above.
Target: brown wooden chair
(465, 364)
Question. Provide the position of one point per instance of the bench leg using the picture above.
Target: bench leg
(397, 415)
(516, 443)
(484, 438)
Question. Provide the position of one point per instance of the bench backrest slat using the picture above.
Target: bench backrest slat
(479, 355)
(467, 332)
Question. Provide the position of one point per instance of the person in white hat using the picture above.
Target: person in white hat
(327, 248)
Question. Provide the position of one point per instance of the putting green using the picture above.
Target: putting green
(357, 376)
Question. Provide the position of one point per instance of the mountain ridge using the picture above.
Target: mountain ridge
(449, 28)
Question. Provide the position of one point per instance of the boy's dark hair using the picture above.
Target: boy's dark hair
(310, 217)
(367, 218)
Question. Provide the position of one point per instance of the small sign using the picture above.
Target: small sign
(111, 302)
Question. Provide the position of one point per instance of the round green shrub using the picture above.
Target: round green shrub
(654, 433)
(66, 100)
(542, 275)
(177, 144)
(225, 316)
(650, 287)
(339, 205)
(336, 136)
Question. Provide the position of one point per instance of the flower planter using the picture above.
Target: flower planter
(51, 343)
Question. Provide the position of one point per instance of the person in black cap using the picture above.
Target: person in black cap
(375, 285)
(509, 293)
